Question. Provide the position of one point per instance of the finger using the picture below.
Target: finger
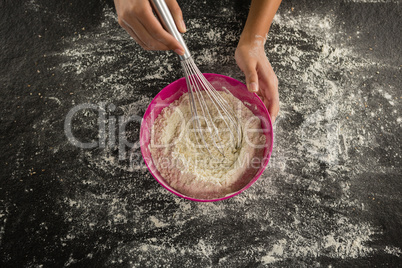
(271, 104)
(177, 15)
(269, 88)
(273, 108)
(155, 30)
(132, 33)
(251, 77)
(138, 28)
(271, 100)
(264, 100)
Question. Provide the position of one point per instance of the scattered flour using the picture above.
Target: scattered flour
(290, 201)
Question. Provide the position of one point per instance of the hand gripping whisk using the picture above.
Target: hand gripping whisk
(204, 98)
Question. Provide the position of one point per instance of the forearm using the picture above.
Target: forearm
(259, 19)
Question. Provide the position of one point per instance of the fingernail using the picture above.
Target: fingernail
(179, 51)
(273, 118)
(183, 26)
(253, 87)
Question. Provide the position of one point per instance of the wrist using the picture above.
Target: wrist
(252, 40)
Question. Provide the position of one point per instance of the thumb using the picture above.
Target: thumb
(177, 15)
(251, 79)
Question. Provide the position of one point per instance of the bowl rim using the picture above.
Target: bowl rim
(256, 176)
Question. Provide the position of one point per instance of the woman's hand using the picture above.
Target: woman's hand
(137, 18)
(260, 77)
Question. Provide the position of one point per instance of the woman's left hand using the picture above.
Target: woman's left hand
(260, 77)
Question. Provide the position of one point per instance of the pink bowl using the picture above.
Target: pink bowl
(173, 92)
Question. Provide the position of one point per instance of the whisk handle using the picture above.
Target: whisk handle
(167, 20)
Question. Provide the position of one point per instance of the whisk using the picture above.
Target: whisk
(201, 93)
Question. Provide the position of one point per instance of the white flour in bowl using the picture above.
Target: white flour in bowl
(197, 172)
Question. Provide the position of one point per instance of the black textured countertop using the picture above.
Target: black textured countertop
(330, 197)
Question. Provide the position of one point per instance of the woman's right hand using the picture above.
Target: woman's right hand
(137, 18)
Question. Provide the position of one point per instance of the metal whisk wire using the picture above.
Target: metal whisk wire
(198, 86)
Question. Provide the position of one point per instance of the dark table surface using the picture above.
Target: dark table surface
(330, 197)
